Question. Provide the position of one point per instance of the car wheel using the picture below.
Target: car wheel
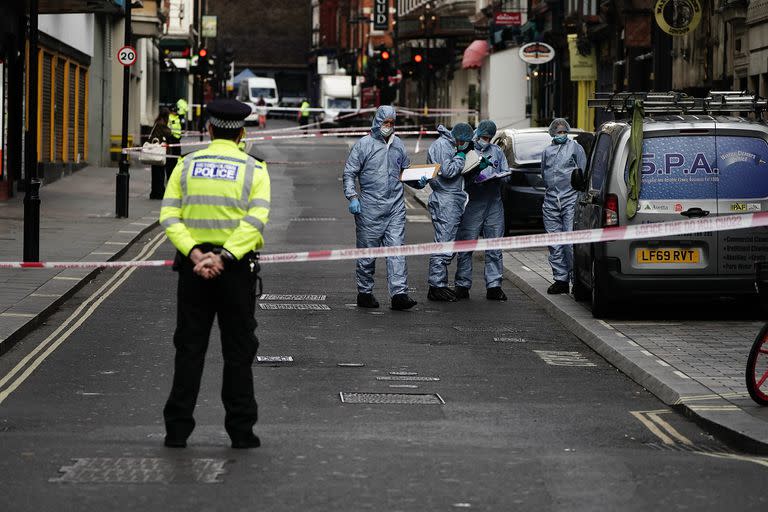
(600, 307)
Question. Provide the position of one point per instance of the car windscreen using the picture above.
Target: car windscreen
(338, 103)
(529, 147)
(267, 92)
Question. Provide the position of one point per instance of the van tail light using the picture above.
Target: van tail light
(611, 210)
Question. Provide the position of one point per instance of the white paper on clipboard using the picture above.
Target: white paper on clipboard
(472, 161)
(415, 172)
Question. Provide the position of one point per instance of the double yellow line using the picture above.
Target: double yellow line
(14, 378)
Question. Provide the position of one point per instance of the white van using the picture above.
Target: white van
(252, 88)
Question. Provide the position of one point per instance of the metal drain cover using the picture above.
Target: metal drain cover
(278, 296)
(274, 359)
(408, 377)
(392, 398)
(133, 470)
(303, 307)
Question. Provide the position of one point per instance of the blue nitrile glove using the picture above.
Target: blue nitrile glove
(354, 206)
(422, 182)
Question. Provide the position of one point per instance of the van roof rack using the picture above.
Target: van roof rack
(679, 103)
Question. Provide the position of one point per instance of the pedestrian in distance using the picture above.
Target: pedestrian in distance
(182, 107)
(484, 214)
(174, 124)
(162, 133)
(303, 115)
(214, 212)
(375, 163)
(447, 201)
(558, 161)
(261, 111)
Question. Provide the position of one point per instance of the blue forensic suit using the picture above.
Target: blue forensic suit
(484, 215)
(376, 163)
(446, 202)
(558, 161)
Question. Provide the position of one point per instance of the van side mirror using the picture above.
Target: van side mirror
(578, 180)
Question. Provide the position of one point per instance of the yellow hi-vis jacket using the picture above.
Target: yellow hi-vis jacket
(217, 195)
(304, 109)
(174, 123)
(182, 107)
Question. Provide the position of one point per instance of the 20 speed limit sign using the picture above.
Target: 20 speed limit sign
(126, 56)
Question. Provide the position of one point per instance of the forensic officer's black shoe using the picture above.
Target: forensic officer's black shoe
(495, 293)
(402, 301)
(558, 287)
(249, 442)
(172, 442)
(367, 300)
(461, 293)
(441, 294)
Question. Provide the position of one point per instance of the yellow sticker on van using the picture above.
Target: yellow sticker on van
(738, 207)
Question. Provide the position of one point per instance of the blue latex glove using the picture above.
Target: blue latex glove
(422, 182)
(354, 207)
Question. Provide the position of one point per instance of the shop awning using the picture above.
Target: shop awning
(474, 55)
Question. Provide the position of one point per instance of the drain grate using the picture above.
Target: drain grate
(130, 470)
(301, 307)
(274, 359)
(279, 296)
(392, 398)
(409, 377)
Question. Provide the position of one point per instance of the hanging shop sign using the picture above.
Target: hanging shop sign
(209, 26)
(381, 15)
(677, 17)
(536, 53)
(507, 19)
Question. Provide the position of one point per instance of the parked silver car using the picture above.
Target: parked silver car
(692, 166)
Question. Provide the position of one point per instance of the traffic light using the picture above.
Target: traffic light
(202, 53)
(417, 58)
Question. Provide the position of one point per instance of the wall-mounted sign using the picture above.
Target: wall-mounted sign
(381, 15)
(209, 26)
(677, 17)
(582, 67)
(537, 53)
(507, 19)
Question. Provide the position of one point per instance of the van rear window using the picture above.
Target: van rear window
(679, 167)
(743, 166)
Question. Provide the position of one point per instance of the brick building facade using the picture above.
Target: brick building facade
(270, 37)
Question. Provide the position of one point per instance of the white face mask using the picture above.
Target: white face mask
(386, 131)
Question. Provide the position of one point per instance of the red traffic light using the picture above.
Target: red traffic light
(417, 58)
(203, 52)
(385, 55)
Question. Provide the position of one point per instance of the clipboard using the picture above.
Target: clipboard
(471, 161)
(416, 172)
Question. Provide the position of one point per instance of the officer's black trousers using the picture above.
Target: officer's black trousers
(230, 297)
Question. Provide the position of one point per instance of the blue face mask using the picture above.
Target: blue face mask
(481, 144)
(560, 139)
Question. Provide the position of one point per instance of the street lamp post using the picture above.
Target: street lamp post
(31, 181)
(123, 175)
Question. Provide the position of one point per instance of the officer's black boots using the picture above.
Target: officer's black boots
(558, 287)
(252, 441)
(402, 301)
(171, 442)
(367, 300)
(495, 293)
(441, 294)
(461, 293)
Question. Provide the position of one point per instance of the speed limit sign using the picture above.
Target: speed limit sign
(126, 56)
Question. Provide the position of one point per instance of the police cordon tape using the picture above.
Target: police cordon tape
(635, 232)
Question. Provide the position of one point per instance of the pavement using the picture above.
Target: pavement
(696, 366)
(77, 223)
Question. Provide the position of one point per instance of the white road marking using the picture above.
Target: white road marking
(20, 315)
(526, 269)
(130, 232)
(47, 295)
(31, 361)
(418, 218)
(632, 343)
(65, 278)
(681, 375)
(606, 324)
(663, 363)
(646, 353)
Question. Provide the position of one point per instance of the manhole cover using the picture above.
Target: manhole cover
(302, 307)
(392, 398)
(277, 296)
(131, 470)
(274, 359)
(409, 377)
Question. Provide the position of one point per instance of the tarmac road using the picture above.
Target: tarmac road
(532, 419)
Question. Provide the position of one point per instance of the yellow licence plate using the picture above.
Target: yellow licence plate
(671, 255)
